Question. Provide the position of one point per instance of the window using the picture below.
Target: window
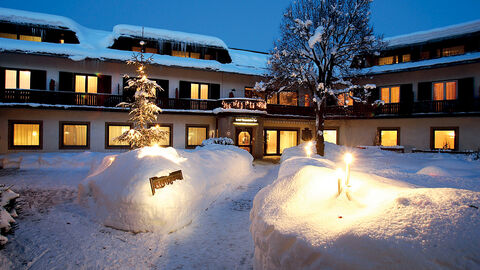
(187, 54)
(8, 35)
(406, 58)
(387, 60)
(249, 92)
(167, 140)
(199, 91)
(345, 99)
(74, 135)
(456, 50)
(287, 98)
(20, 79)
(444, 138)
(112, 131)
(86, 84)
(389, 136)
(445, 90)
(278, 140)
(390, 94)
(424, 55)
(195, 135)
(25, 134)
(330, 135)
(21, 37)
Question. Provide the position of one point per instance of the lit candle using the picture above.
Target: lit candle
(348, 158)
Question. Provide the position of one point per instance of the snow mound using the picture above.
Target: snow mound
(119, 188)
(434, 171)
(300, 222)
(220, 140)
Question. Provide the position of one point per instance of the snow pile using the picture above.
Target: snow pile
(221, 141)
(434, 171)
(120, 193)
(7, 211)
(300, 221)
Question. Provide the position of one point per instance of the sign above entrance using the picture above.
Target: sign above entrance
(245, 121)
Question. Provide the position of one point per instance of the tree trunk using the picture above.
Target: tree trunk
(320, 121)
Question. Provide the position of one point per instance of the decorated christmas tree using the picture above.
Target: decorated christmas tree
(143, 110)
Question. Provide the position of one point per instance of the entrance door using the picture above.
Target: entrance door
(244, 139)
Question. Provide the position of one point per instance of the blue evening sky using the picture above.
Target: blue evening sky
(246, 24)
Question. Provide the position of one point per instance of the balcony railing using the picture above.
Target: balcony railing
(357, 110)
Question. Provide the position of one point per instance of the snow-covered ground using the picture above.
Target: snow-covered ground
(400, 211)
(54, 231)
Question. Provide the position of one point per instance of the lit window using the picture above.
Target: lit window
(26, 134)
(8, 35)
(388, 60)
(208, 57)
(445, 90)
(10, 79)
(453, 50)
(31, 38)
(24, 77)
(273, 99)
(406, 58)
(307, 100)
(74, 135)
(444, 139)
(388, 137)
(84, 82)
(330, 135)
(390, 94)
(151, 50)
(345, 99)
(179, 53)
(288, 98)
(114, 131)
(195, 136)
(165, 141)
(249, 92)
(136, 49)
(271, 142)
(287, 139)
(195, 55)
(198, 91)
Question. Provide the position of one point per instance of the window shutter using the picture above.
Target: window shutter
(374, 95)
(38, 79)
(406, 93)
(66, 82)
(465, 91)
(164, 92)
(2, 78)
(424, 91)
(184, 89)
(104, 84)
(214, 91)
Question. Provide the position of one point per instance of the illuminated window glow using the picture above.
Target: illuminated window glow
(8, 35)
(287, 139)
(75, 135)
(271, 139)
(345, 99)
(31, 38)
(445, 90)
(24, 79)
(113, 132)
(390, 94)
(279, 140)
(330, 135)
(288, 98)
(84, 83)
(388, 137)
(444, 139)
(406, 58)
(388, 60)
(165, 141)
(456, 50)
(199, 91)
(26, 134)
(196, 135)
(10, 79)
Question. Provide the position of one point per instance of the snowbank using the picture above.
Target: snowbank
(119, 189)
(7, 211)
(300, 221)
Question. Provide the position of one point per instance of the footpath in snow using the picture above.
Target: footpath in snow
(400, 211)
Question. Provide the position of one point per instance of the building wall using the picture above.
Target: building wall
(97, 119)
(53, 65)
(414, 132)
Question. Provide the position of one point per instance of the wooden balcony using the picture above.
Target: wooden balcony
(357, 110)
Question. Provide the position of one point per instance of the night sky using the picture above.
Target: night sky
(246, 24)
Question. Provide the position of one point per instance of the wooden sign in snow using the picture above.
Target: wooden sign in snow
(162, 181)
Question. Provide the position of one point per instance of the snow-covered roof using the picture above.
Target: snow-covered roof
(430, 63)
(162, 34)
(94, 44)
(434, 34)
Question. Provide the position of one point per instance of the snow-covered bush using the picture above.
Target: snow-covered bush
(221, 141)
(7, 211)
(301, 222)
(119, 189)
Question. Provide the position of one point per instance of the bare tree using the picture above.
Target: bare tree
(319, 41)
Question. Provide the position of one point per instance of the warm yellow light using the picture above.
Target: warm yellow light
(155, 145)
(308, 148)
(34, 133)
(348, 158)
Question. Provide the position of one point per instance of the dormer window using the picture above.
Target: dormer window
(387, 60)
(37, 33)
(456, 50)
(186, 54)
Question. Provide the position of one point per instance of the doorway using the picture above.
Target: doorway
(244, 139)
